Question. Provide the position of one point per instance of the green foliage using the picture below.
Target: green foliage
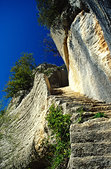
(22, 75)
(2, 111)
(99, 115)
(80, 111)
(48, 72)
(59, 124)
(2, 107)
(50, 47)
(49, 10)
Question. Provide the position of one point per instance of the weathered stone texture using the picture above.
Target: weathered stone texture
(24, 130)
(91, 145)
(86, 48)
(20, 125)
(57, 76)
(89, 58)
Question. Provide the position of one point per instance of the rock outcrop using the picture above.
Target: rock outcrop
(57, 76)
(24, 128)
(85, 46)
(21, 126)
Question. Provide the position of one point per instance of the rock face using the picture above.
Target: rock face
(24, 127)
(86, 48)
(21, 125)
(57, 76)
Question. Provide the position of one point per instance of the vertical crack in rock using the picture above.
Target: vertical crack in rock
(66, 54)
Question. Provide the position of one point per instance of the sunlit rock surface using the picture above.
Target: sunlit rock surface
(86, 48)
(20, 125)
(89, 58)
(24, 130)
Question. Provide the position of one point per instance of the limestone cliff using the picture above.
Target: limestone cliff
(24, 129)
(20, 125)
(85, 46)
(84, 42)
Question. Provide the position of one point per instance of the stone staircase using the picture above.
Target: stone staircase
(91, 139)
(91, 144)
(73, 101)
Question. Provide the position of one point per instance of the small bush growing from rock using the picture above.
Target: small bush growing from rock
(50, 10)
(99, 115)
(59, 124)
(80, 118)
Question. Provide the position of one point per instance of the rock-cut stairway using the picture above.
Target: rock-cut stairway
(91, 145)
(91, 139)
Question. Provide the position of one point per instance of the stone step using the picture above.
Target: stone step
(95, 124)
(90, 162)
(99, 108)
(90, 149)
(90, 136)
(75, 100)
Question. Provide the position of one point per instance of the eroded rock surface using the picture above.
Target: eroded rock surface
(91, 145)
(89, 58)
(86, 48)
(22, 124)
(57, 76)
(24, 129)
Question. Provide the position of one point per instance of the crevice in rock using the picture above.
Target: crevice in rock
(36, 161)
(66, 53)
(67, 18)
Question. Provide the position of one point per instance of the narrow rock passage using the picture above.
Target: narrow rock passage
(91, 139)
(65, 94)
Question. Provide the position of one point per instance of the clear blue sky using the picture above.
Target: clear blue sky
(20, 32)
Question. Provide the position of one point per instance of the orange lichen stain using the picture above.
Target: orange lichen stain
(99, 33)
(82, 12)
(102, 37)
(103, 47)
(109, 60)
(107, 48)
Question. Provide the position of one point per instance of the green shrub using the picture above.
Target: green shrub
(2, 111)
(3, 106)
(99, 115)
(50, 10)
(59, 124)
(22, 75)
(80, 118)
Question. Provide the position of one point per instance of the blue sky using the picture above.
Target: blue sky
(20, 32)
